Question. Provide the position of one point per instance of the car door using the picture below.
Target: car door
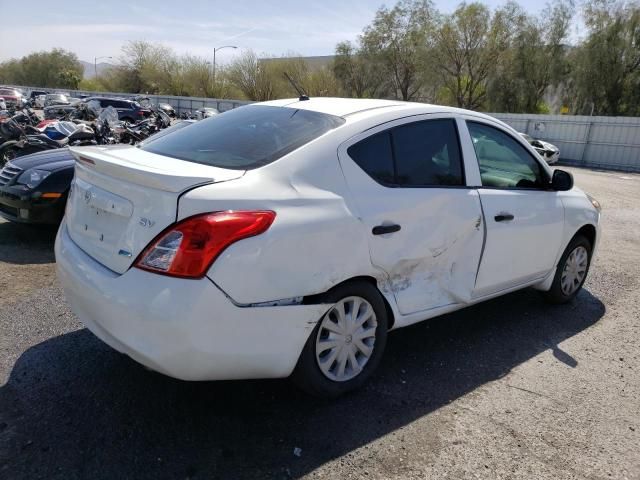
(424, 225)
(524, 218)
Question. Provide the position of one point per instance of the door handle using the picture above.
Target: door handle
(382, 229)
(503, 217)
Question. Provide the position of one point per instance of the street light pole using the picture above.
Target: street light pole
(95, 65)
(214, 60)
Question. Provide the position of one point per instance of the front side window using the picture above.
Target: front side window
(417, 154)
(246, 137)
(503, 161)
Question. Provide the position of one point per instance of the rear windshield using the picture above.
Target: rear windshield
(245, 138)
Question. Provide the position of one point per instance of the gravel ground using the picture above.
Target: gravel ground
(511, 388)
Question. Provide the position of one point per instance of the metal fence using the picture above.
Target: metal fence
(598, 142)
(181, 104)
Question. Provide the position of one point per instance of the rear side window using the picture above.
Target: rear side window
(374, 156)
(427, 153)
(245, 138)
(418, 154)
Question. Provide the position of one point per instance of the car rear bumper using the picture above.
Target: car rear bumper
(187, 329)
(18, 205)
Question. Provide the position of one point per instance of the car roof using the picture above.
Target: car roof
(345, 107)
(333, 106)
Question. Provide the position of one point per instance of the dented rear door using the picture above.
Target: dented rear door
(426, 238)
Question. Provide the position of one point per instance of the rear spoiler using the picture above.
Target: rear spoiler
(149, 169)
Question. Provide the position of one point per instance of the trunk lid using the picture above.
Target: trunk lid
(122, 198)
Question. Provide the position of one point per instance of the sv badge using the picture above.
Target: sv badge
(145, 222)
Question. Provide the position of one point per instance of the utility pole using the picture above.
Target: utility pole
(214, 59)
(95, 65)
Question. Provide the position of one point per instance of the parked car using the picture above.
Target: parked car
(33, 188)
(38, 102)
(128, 110)
(12, 97)
(54, 99)
(34, 94)
(548, 151)
(26, 197)
(206, 113)
(288, 237)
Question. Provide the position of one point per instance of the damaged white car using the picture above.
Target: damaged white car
(548, 151)
(288, 237)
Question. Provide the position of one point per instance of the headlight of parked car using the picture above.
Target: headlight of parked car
(595, 203)
(33, 177)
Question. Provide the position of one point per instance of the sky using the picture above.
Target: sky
(272, 27)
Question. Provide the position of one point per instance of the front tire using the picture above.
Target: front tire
(347, 344)
(572, 271)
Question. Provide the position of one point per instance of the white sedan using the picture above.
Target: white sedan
(288, 237)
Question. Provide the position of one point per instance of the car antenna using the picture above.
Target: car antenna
(302, 96)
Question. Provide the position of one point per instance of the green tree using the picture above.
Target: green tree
(250, 77)
(357, 74)
(396, 44)
(606, 66)
(469, 45)
(534, 60)
(54, 69)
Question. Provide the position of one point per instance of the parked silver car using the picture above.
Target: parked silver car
(549, 152)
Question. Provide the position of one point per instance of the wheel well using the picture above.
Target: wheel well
(589, 232)
(310, 299)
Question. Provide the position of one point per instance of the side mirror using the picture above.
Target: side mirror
(561, 181)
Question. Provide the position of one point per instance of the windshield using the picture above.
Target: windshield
(245, 138)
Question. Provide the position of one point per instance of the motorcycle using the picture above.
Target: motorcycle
(107, 127)
(27, 119)
(18, 142)
(137, 132)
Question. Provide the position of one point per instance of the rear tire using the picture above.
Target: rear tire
(572, 271)
(347, 344)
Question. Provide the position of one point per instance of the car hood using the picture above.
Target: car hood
(48, 160)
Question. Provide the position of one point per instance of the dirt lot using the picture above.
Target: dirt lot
(512, 388)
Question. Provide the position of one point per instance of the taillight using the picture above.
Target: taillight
(188, 248)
